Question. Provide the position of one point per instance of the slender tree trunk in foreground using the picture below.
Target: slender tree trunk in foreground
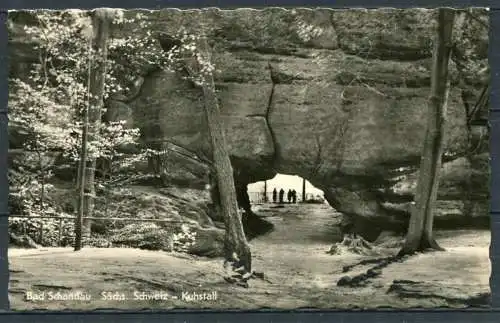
(81, 182)
(420, 235)
(265, 191)
(303, 190)
(80, 178)
(237, 248)
(101, 21)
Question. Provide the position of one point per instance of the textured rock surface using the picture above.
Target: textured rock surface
(338, 97)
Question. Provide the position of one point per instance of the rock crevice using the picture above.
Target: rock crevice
(277, 155)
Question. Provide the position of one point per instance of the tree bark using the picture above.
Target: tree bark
(237, 249)
(101, 26)
(303, 190)
(81, 182)
(419, 236)
(265, 192)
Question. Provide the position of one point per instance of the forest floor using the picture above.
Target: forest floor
(299, 273)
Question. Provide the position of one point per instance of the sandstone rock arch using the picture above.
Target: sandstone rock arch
(344, 111)
(363, 152)
(352, 122)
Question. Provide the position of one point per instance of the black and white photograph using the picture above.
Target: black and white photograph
(249, 159)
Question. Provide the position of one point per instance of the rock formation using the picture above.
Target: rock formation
(337, 97)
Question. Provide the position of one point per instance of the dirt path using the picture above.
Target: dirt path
(299, 272)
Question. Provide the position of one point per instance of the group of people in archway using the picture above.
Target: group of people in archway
(278, 197)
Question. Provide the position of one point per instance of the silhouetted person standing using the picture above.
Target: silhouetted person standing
(289, 196)
(275, 195)
(294, 196)
(282, 192)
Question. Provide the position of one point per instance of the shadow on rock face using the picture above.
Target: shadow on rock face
(210, 241)
(255, 226)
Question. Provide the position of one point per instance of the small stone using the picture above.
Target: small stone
(357, 280)
(259, 275)
(333, 250)
(230, 280)
(373, 272)
(344, 281)
(242, 284)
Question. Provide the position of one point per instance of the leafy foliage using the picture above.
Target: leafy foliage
(144, 236)
(184, 238)
(47, 232)
(46, 110)
(151, 236)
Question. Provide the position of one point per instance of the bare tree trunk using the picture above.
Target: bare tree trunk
(303, 190)
(236, 245)
(237, 248)
(420, 235)
(101, 25)
(42, 179)
(80, 178)
(81, 182)
(265, 191)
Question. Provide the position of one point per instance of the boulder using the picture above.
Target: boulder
(22, 241)
(209, 242)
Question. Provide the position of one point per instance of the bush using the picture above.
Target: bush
(25, 199)
(44, 232)
(148, 236)
(184, 239)
(143, 236)
(152, 237)
(99, 241)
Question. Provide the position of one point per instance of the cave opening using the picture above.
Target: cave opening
(308, 218)
(269, 191)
